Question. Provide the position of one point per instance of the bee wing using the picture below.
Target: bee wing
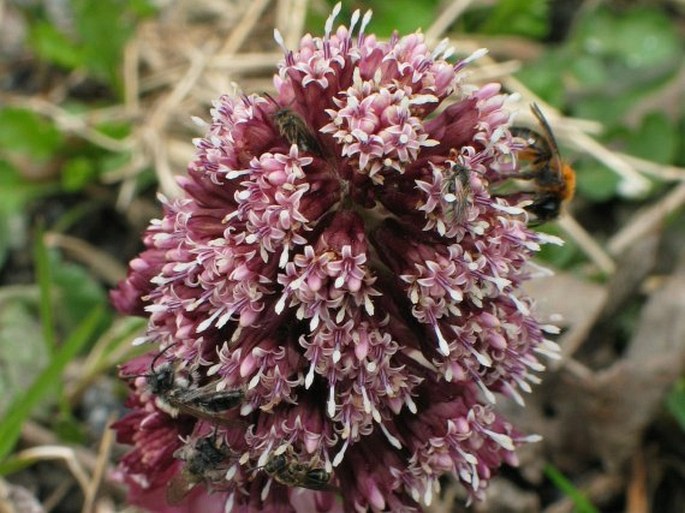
(551, 140)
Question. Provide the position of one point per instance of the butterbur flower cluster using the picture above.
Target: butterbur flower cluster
(334, 302)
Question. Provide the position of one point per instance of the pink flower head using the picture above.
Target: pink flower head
(339, 265)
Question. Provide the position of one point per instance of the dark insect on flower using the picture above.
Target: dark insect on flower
(553, 178)
(456, 194)
(294, 130)
(175, 395)
(205, 461)
(286, 470)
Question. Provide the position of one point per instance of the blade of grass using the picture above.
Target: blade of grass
(582, 504)
(23, 404)
(44, 278)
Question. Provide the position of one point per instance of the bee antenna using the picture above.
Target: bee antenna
(271, 99)
(159, 355)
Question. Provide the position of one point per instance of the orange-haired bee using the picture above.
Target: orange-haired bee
(554, 179)
(286, 470)
(204, 462)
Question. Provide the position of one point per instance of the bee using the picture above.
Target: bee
(175, 395)
(554, 180)
(286, 470)
(294, 129)
(204, 462)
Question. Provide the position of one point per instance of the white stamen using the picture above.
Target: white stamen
(443, 346)
(354, 19)
(504, 440)
(208, 322)
(531, 439)
(428, 496)
(280, 305)
(365, 21)
(254, 381)
(339, 457)
(475, 55)
(235, 173)
(199, 122)
(284, 257)
(393, 441)
(228, 505)
(411, 404)
(231, 472)
(265, 490)
(486, 392)
(546, 238)
(309, 379)
(278, 37)
(328, 27)
(331, 402)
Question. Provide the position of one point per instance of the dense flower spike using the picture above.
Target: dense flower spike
(338, 266)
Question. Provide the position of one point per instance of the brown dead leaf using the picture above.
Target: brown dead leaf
(605, 414)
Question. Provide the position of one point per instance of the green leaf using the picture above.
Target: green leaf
(104, 27)
(596, 182)
(566, 486)
(675, 402)
(521, 17)
(23, 405)
(77, 173)
(76, 291)
(16, 191)
(655, 140)
(22, 349)
(405, 16)
(44, 278)
(544, 78)
(53, 46)
(24, 132)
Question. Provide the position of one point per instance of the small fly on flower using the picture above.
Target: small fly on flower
(456, 193)
(285, 469)
(293, 129)
(204, 461)
(554, 179)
